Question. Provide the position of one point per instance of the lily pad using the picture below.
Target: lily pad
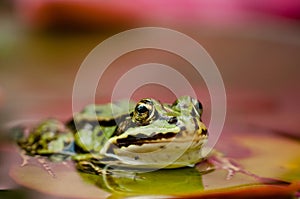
(271, 157)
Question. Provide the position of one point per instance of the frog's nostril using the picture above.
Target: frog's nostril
(172, 120)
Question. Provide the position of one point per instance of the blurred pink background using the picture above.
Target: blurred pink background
(255, 44)
(99, 14)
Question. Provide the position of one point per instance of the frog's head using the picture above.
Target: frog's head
(184, 113)
(153, 126)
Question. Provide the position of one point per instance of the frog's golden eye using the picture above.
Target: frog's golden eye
(143, 111)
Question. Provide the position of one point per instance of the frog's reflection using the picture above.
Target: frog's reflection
(171, 181)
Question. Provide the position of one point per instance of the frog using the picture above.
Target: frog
(143, 135)
(116, 140)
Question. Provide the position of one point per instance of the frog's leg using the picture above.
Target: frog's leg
(51, 139)
(86, 163)
(88, 167)
(48, 138)
(93, 163)
(216, 160)
(100, 165)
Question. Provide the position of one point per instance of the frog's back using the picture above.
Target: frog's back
(105, 112)
(95, 124)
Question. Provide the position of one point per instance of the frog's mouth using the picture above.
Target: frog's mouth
(170, 149)
(157, 138)
(141, 139)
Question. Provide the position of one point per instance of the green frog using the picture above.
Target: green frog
(145, 135)
(117, 141)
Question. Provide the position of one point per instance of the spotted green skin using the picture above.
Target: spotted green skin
(148, 134)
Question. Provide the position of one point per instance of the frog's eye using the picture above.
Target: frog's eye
(198, 107)
(143, 111)
(187, 103)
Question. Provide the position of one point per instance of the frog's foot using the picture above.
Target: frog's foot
(25, 158)
(43, 162)
(219, 161)
(205, 167)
